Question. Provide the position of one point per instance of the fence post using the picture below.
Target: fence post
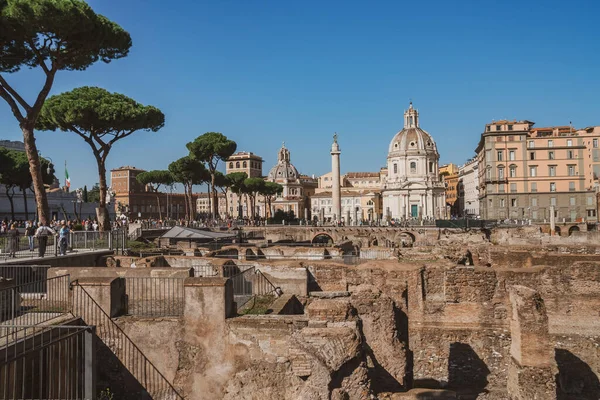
(55, 246)
(89, 384)
(110, 239)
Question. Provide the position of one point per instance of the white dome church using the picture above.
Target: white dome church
(413, 188)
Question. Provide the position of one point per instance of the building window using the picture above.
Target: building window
(500, 155)
(552, 170)
(533, 171)
(230, 165)
(534, 202)
(237, 164)
(430, 167)
(510, 127)
(552, 187)
(590, 201)
(501, 202)
(244, 164)
(500, 172)
(550, 143)
(595, 143)
(591, 213)
(513, 202)
(534, 187)
(531, 144)
(571, 201)
(513, 171)
(488, 128)
(501, 188)
(395, 168)
(498, 127)
(550, 155)
(413, 167)
(511, 138)
(511, 155)
(513, 188)
(569, 142)
(570, 154)
(552, 201)
(571, 186)
(534, 215)
(571, 169)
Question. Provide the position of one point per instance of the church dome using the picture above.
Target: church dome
(284, 169)
(412, 138)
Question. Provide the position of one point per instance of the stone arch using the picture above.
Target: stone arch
(373, 242)
(407, 239)
(572, 229)
(322, 238)
(557, 230)
(250, 254)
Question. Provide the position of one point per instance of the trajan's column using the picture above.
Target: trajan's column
(335, 189)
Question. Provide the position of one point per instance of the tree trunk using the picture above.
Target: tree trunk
(158, 203)
(208, 196)
(101, 211)
(192, 206)
(24, 190)
(226, 202)
(35, 169)
(10, 200)
(215, 204)
(185, 200)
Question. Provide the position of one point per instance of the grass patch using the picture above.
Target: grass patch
(259, 305)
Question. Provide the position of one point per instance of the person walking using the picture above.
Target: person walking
(30, 232)
(42, 234)
(13, 240)
(63, 240)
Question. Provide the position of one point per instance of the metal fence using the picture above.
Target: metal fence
(21, 247)
(34, 302)
(250, 283)
(132, 358)
(22, 274)
(154, 297)
(54, 362)
(208, 270)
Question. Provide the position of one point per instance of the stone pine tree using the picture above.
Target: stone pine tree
(85, 194)
(269, 191)
(210, 148)
(101, 119)
(154, 179)
(50, 35)
(253, 187)
(189, 172)
(236, 184)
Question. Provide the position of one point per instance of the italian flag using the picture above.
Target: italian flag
(67, 179)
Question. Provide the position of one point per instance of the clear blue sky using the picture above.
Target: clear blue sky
(262, 72)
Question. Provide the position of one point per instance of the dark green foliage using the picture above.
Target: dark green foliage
(66, 33)
(94, 194)
(236, 181)
(156, 178)
(281, 215)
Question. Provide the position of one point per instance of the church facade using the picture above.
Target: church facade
(412, 188)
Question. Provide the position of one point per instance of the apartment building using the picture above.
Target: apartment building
(468, 189)
(525, 172)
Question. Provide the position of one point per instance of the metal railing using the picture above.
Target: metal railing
(208, 270)
(22, 274)
(27, 247)
(155, 297)
(34, 303)
(54, 362)
(132, 358)
(250, 283)
(90, 240)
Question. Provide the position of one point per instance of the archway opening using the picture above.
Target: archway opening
(573, 229)
(323, 239)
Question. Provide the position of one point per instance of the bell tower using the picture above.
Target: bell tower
(411, 117)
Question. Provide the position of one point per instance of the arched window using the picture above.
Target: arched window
(513, 171)
(413, 167)
(244, 164)
(395, 168)
(237, 164)
(500, 172)
(231, 165)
